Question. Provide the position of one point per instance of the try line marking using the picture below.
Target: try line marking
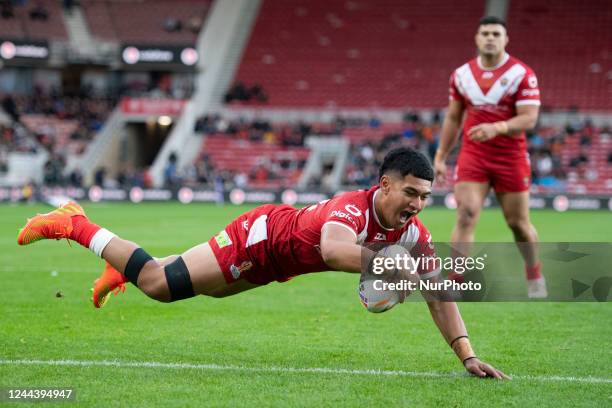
(274, 369)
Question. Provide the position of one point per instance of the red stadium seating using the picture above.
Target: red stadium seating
(577, 180)
(22, 27)
(142, 21)
(385, 53)
(227, 153)
(569, 45)
(58, 130)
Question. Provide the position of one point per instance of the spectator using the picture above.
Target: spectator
(171, 176)
(578, 160)
(39, 13)
(76, 178)
(6, 9)
(195, 24)
(10, 107)
(68, 5)
(52, 171)
(100, 177)
(240, 92)
(257, 93)
(172, 24)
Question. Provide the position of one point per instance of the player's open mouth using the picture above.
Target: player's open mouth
(405, 216)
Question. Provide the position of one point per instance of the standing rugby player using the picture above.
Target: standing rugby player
(500, 99)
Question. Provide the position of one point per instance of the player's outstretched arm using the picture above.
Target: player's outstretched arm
(339, 248)
(448, 319)
(448, 137)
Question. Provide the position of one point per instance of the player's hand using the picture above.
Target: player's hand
(482, 132)
(440, 171)
(483, 370)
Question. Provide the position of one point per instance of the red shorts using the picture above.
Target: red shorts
(242, 250)
(507, 175)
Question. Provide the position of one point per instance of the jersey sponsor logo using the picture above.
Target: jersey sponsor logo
(245, 225)
(340, 214)
(530, 92)
(487, 75)
(532, 81)
(380, 237)
(236, 271)
(223, 239)
(353, 209)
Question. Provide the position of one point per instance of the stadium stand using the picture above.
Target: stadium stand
(261, 154)
(569, 45)
(40, 20)
(576, 158)
(146, 21)
(63, 124)
(347, 53)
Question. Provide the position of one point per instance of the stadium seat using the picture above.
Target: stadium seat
(375, 54)
(569, 45)
(127, 21)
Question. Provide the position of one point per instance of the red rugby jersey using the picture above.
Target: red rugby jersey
(491, 95)
(294, 235)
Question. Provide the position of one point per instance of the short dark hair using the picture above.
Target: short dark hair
(492, 20)
(407, 161)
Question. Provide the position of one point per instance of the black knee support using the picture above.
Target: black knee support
(135, 264)
(179, 281)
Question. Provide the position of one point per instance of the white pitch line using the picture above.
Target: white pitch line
(298, 370)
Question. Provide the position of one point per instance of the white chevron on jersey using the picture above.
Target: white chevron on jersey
(506, 84)
(364, 232)
(410, 237)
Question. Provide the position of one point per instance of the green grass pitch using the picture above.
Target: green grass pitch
(316, 321)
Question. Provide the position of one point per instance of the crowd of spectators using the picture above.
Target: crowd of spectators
(266, 170)
(243, 93)
(551, 169)
(175, 25)
(88, 110)
(559, 155)
(259, 130)
(37, 12)
(158, 85)
(15, 138)
(367, 156)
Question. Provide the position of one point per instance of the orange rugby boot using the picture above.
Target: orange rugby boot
(56, 224)
(111, 281)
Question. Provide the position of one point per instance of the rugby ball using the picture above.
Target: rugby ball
(373, 292)
(374, 299)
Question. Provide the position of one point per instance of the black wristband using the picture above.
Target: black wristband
(457, 338)
(469, 358)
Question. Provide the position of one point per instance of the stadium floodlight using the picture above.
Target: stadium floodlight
(164, 120)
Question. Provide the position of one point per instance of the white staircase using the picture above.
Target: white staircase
(80, 38)
(102, 151)
(220, 46)
(498, 8)
(233, 56)
(325, 150)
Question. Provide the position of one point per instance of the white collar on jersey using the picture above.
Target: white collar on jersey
(376, 215)
(502, 62)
